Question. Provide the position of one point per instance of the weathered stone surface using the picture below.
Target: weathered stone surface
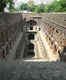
(32, 71)
(11, 27)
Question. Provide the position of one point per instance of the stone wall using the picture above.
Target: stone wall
(11, 26)
(11, 31)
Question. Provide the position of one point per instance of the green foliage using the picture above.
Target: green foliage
(52, 6)
(11, 5)
(63, 3)
(24, 6)
(3, 4)
(55, 6)
(33, 8)
(40, 9)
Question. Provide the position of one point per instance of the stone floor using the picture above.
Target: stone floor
(22, 70)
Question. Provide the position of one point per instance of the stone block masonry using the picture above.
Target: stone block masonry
(13, 40)
(11, 28)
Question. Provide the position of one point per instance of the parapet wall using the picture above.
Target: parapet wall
(59, 18)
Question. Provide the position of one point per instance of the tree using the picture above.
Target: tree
(32, 8)
(52, 6)
(3, 4)
(11, 5)
(63, 5)
(40, 8)
(57, 6)
(24, 6)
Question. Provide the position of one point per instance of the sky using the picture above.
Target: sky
(18, 2)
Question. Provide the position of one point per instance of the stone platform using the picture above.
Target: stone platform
(23, 70)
